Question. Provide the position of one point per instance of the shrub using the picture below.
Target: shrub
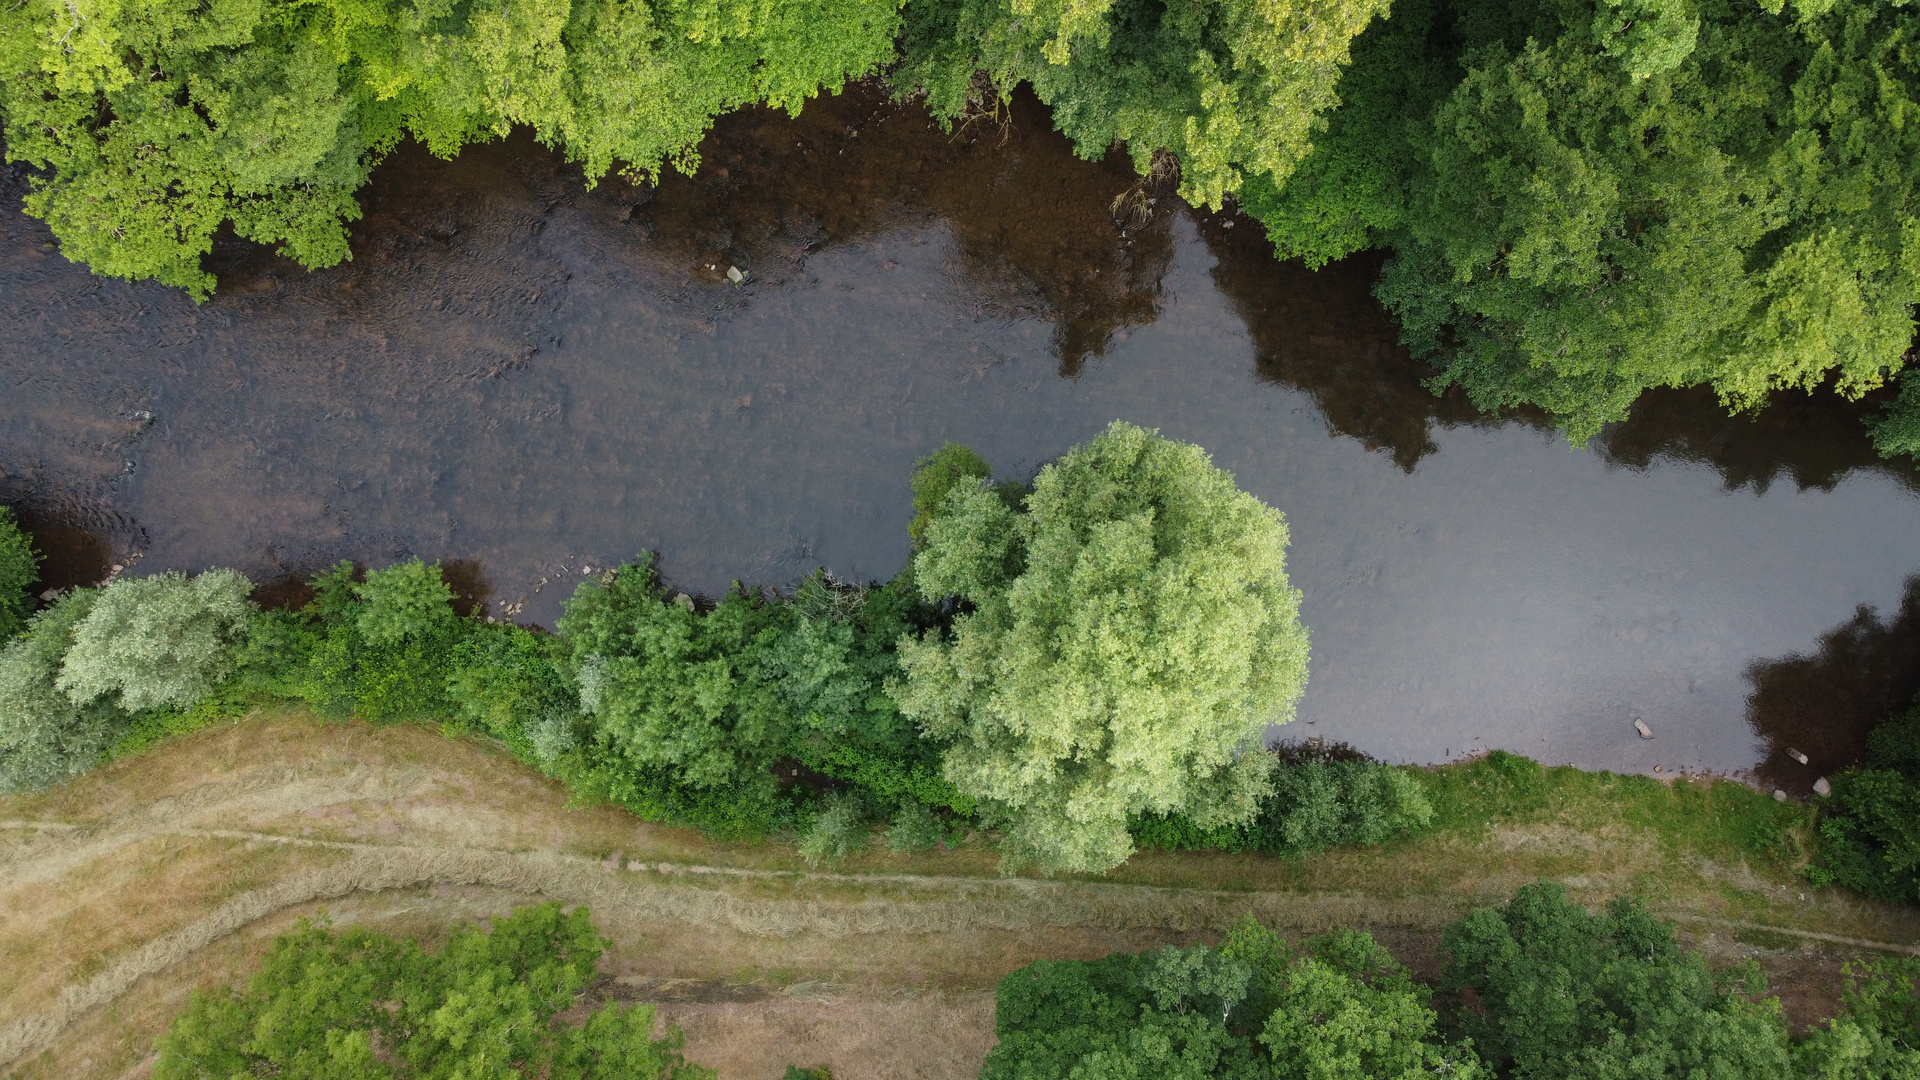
(1339, 1008)
(1569, 995)
(401, 672)
(1131, 633)
(45, 736)
(407, 601)
(1321, 798)
(19, 569)
(1877, 1034)
(838, 830)
(162, 640)
(506, 682)
(360, 1004)
(1870, 826)
(915, 828)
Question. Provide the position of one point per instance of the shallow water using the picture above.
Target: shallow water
(534, 378)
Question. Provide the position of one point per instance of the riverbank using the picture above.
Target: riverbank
(131, 885)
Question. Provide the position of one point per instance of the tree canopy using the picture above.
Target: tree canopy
(1130, 634)
(1588, 198)
(361, 1004)
(160, 120)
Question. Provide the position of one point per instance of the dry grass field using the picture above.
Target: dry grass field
(126, 889)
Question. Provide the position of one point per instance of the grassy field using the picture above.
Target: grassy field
(124, 890)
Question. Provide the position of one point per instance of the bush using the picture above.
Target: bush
(838, 830)
(155, 641)
(1877, 1034)
(1339, 1008)
(1131, 634)
(1321, 798)
(45, 736)
(360, 1004)
(1870, 825)
(1568, 995)
(19, 569)
(323, 654)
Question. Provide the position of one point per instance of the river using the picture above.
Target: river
(529, 378)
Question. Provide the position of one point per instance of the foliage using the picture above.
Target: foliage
(1132, 634)
(405, 601)
(1570, 995)
(1340, 1009)
(838, 830)
(507, 681)
(229, 700)
(160, 121)
(1877, 1034)
(157, 641)
(357, 1003)
(935, 475)
(19, 569)
(45, 736)
(915, 828)
(332, 663)
(1896, 430)
(1870, 825)
(1231, 88)
(1587, 198)
(1318, 801)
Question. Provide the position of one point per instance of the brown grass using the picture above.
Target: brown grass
(126, 888)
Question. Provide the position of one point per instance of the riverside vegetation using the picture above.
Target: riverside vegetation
(835, 710)
(1583, 198)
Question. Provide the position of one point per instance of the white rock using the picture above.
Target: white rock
(1640, 726)
(1779, 796)
(734, 275)
(1822, 788)
(1796, 755)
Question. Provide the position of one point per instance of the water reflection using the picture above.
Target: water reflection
(1824, 703)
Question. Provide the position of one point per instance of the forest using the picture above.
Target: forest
(1581, 200)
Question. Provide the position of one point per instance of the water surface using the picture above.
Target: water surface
(534, 378)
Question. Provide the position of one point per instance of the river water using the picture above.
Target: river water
(528, 378)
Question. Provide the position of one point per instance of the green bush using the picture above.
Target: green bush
(1338, 1008)
(1877, 1034)
(1870, 825)
(1320, 799)
(360, 1004)
(838, 829)
(1130, 633)
(157, 641)
(19, 569)
(45, 736)
(1569, 995)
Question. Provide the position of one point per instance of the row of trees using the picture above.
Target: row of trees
(1539, 989)
(1584, 198)
(1058, 663)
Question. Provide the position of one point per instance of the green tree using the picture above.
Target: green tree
(1569, 995)
(45, 736)
(1588, 198)
(364, 1005)
(408, 600)
(158, 122)
(1230, 88)
(1131, 634)
(19, 569)
(1870, 826)
(1877, 1034)
(154, 641)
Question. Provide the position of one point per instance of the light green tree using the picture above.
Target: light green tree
(159, 120)
(406, 600)
(161, 640)
(1230, 88)
(44, 736)
(1128, 637)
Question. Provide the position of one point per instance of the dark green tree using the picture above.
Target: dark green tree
(19, 569)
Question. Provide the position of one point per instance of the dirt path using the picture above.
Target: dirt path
(122, 891)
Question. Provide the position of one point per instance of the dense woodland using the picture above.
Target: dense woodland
(1583, 198)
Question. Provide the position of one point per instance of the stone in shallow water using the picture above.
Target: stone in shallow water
(1641, 727)
(1822, 788)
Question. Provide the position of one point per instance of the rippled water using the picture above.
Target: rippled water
(533, 378)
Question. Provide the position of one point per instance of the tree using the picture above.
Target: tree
(45, 736)
(361, 1004)
(1874, 1037)
(1340, 1009)
(1570, 995)
(19, 569)
(161, 640)
(1131, 634)
(157, 123)
(1870, 826)
(1588, 198)
(1230, 88)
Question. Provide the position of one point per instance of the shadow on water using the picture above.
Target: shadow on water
(1825, 703)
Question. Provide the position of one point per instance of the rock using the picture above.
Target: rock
(1640, 726)
(1822, 788)
(1796, 755)
(1779, 796)
(636, 865)
(51, 595)
(684, 601)
(734, 275)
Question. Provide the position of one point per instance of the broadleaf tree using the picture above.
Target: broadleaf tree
(1130, 634)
